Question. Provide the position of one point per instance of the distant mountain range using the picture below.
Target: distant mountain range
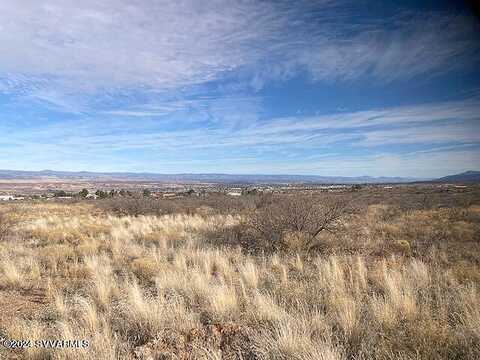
(196, 178)
(465, 177)
(468, 176)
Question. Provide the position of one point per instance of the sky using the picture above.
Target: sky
(340, 88)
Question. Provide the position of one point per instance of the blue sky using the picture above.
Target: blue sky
(245, 87)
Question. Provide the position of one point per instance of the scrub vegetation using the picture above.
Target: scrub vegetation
(347, 276)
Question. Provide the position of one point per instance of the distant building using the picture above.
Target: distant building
(234, 193)
(10, 198)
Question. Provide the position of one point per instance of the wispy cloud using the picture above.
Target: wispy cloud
(390, 124)
(397, 48)
(447, 128)
(118, 44)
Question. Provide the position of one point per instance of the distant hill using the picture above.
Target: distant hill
(195, 178)
(467, 176)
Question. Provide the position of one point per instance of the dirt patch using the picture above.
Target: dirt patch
(27, 304)
(232, 341)
(22, 303)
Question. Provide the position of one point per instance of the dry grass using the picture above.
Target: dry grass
(154, 287)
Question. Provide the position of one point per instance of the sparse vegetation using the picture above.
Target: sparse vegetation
(143, 281)
(83, 193)
(294, 222)
(7, 222)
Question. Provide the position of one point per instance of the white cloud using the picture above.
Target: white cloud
(118, 43)
(387, 125)
(108, 45)
(430, 134)
(394, 49)
(427, 125)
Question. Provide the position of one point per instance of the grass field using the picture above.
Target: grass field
(389, 283)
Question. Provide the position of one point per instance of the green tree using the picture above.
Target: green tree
(101, 194)
(83, 193)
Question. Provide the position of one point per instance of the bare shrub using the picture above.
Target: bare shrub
(211, 204)
(136, 206)
(294, 220)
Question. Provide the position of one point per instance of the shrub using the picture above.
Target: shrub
(101, 194)
(145, 268)
(147, 205)
(136, 206)
(84, 193)
(294, 221)
(403, 247)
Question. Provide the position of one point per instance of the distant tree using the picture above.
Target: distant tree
(101, 194)
(60, 193)
(113, 193)
(147, 193)
(83, 193)
(123, 192)
(250, 191)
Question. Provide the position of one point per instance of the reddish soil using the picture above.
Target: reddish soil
(233, 341)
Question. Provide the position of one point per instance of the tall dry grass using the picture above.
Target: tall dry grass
(147, 287)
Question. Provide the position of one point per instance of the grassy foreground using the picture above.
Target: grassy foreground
(390, 285)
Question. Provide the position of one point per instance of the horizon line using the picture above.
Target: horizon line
(226, 174)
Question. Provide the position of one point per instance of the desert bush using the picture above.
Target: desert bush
(136, 206)
(293, 221)
(206, 205)
(403, 247)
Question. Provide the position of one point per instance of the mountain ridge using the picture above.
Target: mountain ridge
(466, 176)
(198, 177)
